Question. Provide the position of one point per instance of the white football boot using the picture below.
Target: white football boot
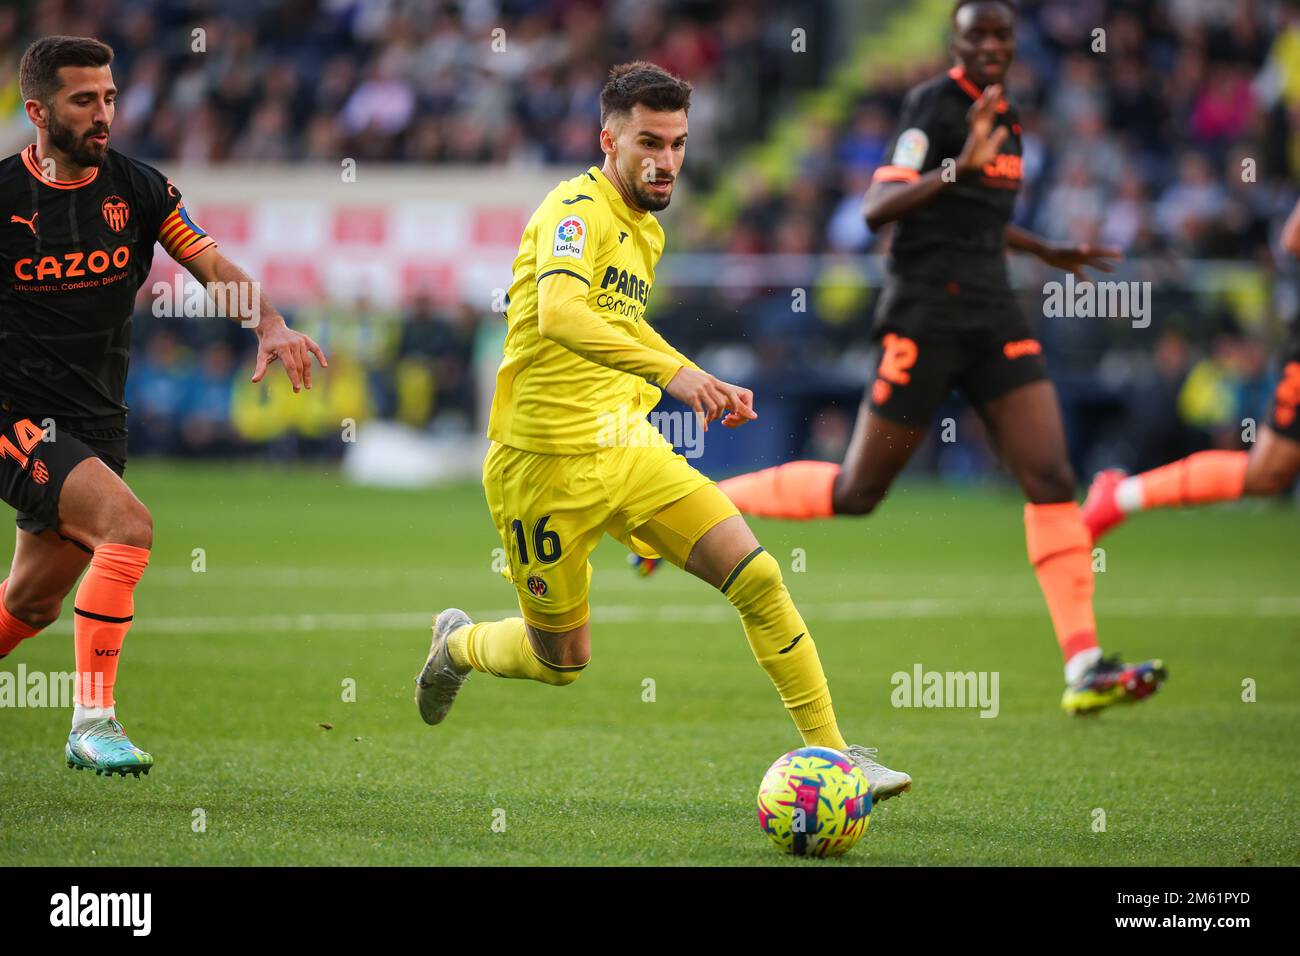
(885, 783)
(441, 679)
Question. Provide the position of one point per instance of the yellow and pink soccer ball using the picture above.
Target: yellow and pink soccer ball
(814, 802)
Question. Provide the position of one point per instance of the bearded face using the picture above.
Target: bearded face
(86, 147)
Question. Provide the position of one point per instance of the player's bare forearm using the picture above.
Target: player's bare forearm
(275, 340)
(887, 202)
(1022, 240)
(212, 268)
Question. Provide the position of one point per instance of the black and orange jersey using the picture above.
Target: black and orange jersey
(956, 242)
(73, 255)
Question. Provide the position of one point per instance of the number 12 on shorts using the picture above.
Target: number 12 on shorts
(898, 357)
(546, 544)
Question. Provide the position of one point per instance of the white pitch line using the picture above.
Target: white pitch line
(720, 611)
(609, 578)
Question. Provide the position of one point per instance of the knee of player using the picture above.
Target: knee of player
(1266, 475)
(34, 612)
(133, 526)
(562, 657)
(1266, 482)
(1050, 484)
(857, 499)
(561, 675)
(753, 580)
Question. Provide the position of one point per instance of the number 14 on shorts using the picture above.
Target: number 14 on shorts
(27, 435)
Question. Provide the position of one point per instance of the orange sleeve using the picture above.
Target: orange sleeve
(895, 174)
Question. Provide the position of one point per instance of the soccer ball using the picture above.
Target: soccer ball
(814, 802)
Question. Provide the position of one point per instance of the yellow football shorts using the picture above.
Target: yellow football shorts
(551, 511)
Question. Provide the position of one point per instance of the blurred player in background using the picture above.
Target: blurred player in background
(948, 318)
(77, 244)
(1207, 476)
(573, 456)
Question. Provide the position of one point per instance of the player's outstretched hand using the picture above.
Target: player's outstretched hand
(983, 141)
(712, 398)
(292, 349)
(1073, 257)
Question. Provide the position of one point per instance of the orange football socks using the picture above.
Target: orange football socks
(105, 605)
(797, 490)
(1060, 549)
(1197, 479)
(12, 631)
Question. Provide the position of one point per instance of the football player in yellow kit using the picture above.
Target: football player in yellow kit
(573, 456)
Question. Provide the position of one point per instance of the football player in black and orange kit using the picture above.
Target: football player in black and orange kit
(948, 318)
(77, 230)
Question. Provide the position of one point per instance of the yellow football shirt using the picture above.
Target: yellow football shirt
(548, 398)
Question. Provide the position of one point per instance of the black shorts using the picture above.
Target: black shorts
(1285, 419)
(32, 470)
(931, 343)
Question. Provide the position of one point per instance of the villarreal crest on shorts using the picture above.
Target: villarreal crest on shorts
(552, 510)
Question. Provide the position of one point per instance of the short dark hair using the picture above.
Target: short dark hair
(645, 83)
(38, 73)
(1009, 4)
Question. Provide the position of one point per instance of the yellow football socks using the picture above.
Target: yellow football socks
(502, 648)
(783, 646)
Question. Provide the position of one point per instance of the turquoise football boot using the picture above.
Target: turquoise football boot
(104, 748)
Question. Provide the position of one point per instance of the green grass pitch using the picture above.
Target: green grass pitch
(229, 675)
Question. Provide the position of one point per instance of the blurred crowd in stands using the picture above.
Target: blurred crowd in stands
(190, 391)
(1177, 142)
(421, 81)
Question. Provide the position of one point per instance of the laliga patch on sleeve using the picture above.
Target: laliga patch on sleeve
(570, 237)
(911, 148)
